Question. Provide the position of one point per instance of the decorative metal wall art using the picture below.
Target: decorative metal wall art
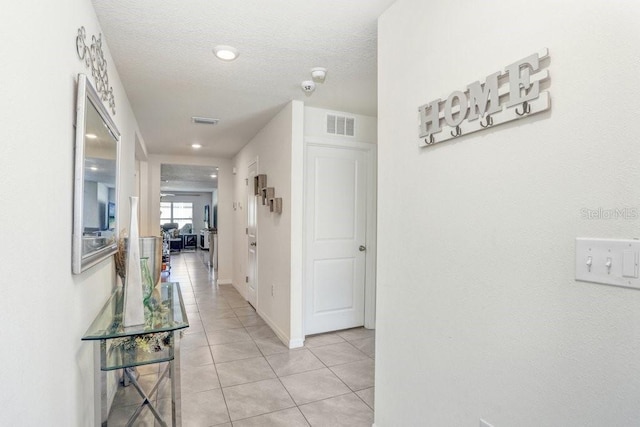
(260, 182)
(268, 194)
(93, 57)
(501, 97)
(275, 205)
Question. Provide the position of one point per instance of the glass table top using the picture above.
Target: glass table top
(168, 314)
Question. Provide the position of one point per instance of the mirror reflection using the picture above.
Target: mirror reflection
(95, 198)
(98, 210)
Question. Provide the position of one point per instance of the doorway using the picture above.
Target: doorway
(252, 236)
(188, 205)
(340, 237)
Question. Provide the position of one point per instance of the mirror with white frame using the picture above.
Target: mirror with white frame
(96, 177)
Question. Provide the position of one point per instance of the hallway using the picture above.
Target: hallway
(235, 371)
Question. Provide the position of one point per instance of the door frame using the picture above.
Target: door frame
(249, 193)
(371, 225)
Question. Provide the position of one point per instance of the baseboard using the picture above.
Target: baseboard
(279, 333)
(224, 282)
(296, 343)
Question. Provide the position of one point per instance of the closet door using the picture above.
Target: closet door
(336, 207)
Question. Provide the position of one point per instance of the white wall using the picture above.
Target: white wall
(47, 374)
(296, 336)
(479, 315)
(225, 209)
(272, 146)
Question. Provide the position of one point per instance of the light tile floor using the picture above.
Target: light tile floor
(236, 372)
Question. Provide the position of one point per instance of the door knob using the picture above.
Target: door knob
(252, 244)
(362, 248)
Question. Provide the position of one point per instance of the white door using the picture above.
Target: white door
(252, 231)
(336, 238)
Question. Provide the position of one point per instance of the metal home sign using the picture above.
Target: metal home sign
(503, 97)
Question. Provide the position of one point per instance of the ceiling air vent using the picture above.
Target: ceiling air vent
(341, 125)
(204, 120)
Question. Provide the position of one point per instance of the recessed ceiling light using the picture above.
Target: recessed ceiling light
(90, 136)
(213, 175)
(196, 146)
(204, 120)
(226, 53)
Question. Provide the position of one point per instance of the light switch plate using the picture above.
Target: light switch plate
(629, 263)
(608, 261)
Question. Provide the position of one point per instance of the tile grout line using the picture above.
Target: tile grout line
(262, 354)
(221, 387)
(334, 374)
(215, 368)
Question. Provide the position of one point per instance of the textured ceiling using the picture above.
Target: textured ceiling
(163, 53)
(187, 178)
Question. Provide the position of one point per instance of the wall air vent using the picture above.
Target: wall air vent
(204, 120)
(341, 125)
(180, 194)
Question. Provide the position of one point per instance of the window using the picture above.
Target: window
(179, 212)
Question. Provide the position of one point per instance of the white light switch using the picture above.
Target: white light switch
(608, 261)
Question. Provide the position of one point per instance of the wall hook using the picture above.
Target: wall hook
(430, 140)
(526, 109)
(458, 132)
(489, 121)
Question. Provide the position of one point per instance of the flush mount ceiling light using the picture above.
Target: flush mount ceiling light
(196, 146)
(204, 120)
(225, 53)
(318, 74)
(213, 175)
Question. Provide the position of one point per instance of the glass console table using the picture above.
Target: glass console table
(158, 340)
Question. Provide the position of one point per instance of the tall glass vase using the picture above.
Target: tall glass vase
(147, 283)
(133, 300)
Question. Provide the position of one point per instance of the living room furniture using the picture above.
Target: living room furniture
(169, 226)
(204, 239)
(166, 257)
(175, 244)
(189, 242)
(180, 238)
(117, 347)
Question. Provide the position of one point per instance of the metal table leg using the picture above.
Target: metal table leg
(171, 372)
